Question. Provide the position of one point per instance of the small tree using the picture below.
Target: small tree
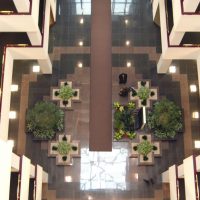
(144, 148)
(66, 92)
(143, 93)
(64, 148)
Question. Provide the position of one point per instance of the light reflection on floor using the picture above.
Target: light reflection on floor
(103, 170)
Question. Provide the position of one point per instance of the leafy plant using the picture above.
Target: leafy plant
(66, 92)
(64, 148)
(124, 120)
(118, 135)
(144, 148)
(44, 120)
(143, 93)
(131, 135)
(165, 120)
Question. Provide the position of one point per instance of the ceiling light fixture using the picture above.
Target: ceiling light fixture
(12, 115)
(195, 115)
(81, 21)
(128, 64)
(14, 88)
(36, 68)
(172, 69)
(193, 88)
(126, 21)
(127, 42)
(80, 64)
(80, 43)
(197, 144)
(68, 179)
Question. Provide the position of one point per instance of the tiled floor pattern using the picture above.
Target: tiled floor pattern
(101, 175)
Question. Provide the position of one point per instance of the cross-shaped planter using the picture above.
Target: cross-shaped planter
(156, 152)
(64, 159)
(65, 104)
(152, 96)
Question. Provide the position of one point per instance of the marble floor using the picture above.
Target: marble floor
(100, 175)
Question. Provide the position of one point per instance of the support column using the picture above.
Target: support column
(100, 138)
(163, 65)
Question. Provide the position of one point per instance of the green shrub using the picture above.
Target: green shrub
(165, 120)
(143, 93)
(66, 92)
(124, 120)
(44, 119)
(64, 148)
(144, 148)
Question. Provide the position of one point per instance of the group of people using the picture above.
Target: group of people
(123, 80)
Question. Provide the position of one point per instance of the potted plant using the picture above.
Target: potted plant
(44, 120)
(143, 94)
(66, 93)
(64, 148)
(144, 148)
(165, 119)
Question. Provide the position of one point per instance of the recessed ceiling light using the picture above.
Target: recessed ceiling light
(172, 69)
(90, 197)
(14, 88)
(36, 68)
(68, 179)
(127, 42)
(126, 21)
(195, 115)
(12, 115)
(197, 144)
(80, 43)
(136, 175)
(128, 64)
(193, 88)
(80, 64)
(81, 21)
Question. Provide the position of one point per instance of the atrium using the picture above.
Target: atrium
(99, 99)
